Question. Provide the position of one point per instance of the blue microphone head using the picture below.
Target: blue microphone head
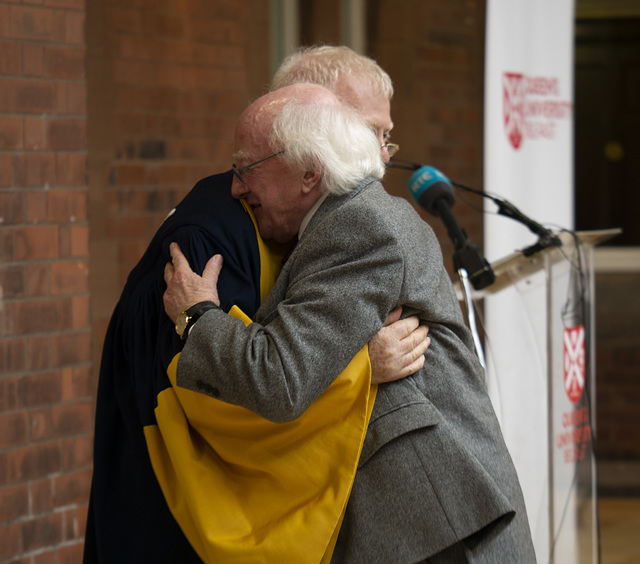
(427, 185)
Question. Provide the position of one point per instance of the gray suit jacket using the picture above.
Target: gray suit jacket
(434, 468)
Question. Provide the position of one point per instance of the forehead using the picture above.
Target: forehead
(357, 91)
(249, 141)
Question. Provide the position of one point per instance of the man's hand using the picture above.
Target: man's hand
(184, 287)
(397, 350)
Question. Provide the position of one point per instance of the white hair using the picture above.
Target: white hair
(326, 65)
(330, 138)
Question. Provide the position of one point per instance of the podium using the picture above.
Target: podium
(540, 354)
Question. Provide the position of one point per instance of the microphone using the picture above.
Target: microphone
(505, 208)
(434, 193)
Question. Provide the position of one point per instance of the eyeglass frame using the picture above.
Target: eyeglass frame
(392, 148)
(238, 171)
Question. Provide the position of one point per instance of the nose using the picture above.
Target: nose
(384, 153)
(238, 189)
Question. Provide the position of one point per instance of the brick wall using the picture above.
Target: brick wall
(46, 413)
(434, 52)
(166, 82)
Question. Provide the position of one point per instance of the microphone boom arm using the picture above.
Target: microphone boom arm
(507, 209)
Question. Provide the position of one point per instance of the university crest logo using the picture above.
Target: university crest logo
(513, 107)
(574, 362)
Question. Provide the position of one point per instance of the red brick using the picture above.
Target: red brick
(69, 277)
(12, 281)
(42, 315)
(216, 31)
(79, 241)
(40, 424)
(14, 502)
(125, 20)
(64, 62)
(34, 169)
(80, 308)
(70, 553)
(34, 138)
(27, 96)
(130, 175)
(36, 242)
(48, 557)
(76, 98)
(76, 383)
(13, 429)
(7, 244)
(37, 279)
(75, 519)
(36, 206)
(73, 348)
(71, 4)
(133, 72)
(9, 57)
(10, 133)
(32, 59)
(62, 102)
(72, 488)
(166, 175)
(7, 319)
(42, 495)
(162, 25)
(77, 452)
(13, 358)
(32, 23)
(39, 352)
(69, 27)
(67, 205)
(41, 532)
(11, 208)
(6, 170)
(73, 418)
(8, 394)
(71, 169)
(33, 461)
(5, 24)
(66, 134)
(10, 540)
(39, 389)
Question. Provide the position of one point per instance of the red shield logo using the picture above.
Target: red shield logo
(574, 362)
(513, 107)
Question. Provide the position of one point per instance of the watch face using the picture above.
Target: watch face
(181, 323)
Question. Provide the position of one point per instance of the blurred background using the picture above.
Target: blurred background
(111, 110)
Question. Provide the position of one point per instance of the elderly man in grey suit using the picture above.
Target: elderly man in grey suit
(435, 482)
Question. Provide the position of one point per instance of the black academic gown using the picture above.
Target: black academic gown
(129, 520)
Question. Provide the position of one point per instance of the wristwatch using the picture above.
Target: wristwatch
(189, 316)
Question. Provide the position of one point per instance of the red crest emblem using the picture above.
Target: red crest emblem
(513, 107)
(574, 362)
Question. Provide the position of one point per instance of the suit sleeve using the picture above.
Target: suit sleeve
(339, 292)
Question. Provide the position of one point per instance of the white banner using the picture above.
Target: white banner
(529, 162)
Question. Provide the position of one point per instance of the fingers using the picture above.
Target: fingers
(169, 271)
(403, 328)
(177, 258)
(184, 287)
(393, 316)
(212, 270)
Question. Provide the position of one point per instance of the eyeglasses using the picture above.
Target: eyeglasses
(392, 148)
(238, 171)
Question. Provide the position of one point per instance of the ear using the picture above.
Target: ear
(310, 180)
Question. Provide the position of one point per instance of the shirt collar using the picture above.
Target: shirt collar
(313, 210)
